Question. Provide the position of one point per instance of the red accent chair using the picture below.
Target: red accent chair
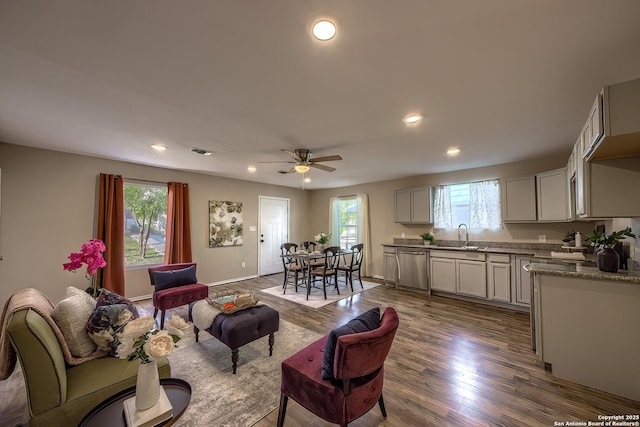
(183, 291)
(358, 369)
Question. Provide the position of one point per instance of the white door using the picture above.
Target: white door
(274, 231)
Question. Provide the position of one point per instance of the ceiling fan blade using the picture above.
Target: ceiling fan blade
(292, 170)
(326, 158)
(291, 154)
(322, 167)
(283, 161)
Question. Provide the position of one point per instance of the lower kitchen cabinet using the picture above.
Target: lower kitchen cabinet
(443, 274)
(523, 281)
(472, 278)
(461, 273)
(499, 277)
(390, 266)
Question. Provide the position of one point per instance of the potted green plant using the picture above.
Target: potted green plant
(428, 238)
(569, 237)
(606, 257)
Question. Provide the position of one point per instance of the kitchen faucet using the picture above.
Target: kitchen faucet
(466, 235)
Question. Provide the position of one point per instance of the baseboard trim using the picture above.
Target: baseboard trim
(222, 282)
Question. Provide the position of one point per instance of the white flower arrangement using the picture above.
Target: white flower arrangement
(322, 238)
(140, 339)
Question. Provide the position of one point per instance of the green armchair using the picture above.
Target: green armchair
(58, 392)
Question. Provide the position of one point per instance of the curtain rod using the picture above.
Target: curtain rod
(144, 180)
(348, 195)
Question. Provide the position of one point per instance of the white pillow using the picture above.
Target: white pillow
(71, 315)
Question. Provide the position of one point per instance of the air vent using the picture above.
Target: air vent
(201, 151)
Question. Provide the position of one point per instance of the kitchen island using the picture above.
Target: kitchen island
(586, 326)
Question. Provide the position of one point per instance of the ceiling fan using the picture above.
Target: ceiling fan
(303, 161)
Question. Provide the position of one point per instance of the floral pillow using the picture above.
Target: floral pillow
(111, 315)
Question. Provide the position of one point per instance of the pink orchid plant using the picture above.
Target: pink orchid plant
(90, 254)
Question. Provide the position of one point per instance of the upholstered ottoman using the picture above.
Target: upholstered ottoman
(242, 327)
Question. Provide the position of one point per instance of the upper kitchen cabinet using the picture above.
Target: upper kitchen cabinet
(413, 205)
(552, 196)
(519, 199)
(612, 129)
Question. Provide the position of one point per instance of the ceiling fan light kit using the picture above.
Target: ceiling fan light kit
(303, 161)
(301, 168)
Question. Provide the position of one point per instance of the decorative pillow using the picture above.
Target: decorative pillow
(107, 297)
(106, 322)
(112, 313)
(71, 315)
(367, 321)
(172, 278)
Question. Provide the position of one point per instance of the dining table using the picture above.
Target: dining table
(305, 258)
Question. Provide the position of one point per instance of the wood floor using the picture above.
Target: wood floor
(453, 363)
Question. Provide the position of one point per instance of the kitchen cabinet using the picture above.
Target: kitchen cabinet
(519, 199)
(613, 125)
(499, 277)
(587, 331)
(598, 185)
(523, 281)
(390, 265)
(413, 205)
(581, 181)
(541, 198)
(471, 278)
(552, 198)
(462, 273)
(443, 274)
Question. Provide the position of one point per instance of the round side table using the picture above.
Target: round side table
(110, 413)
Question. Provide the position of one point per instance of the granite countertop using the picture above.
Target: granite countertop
(446, 246)
(573, 270)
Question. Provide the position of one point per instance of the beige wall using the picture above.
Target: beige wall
(48, 209)
(49, 198)
(381, 206)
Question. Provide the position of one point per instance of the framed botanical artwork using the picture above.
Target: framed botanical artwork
(225, 223)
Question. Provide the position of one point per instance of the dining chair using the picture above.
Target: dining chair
(355, 264)
(291, 265)
(329, 269)
(310, 246)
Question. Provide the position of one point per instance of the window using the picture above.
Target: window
(145, 221)
(346, 228)
(476, 204)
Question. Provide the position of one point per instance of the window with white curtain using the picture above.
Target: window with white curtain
(476, 204)
(346, 222)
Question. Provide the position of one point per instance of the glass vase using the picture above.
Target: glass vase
(147, 386)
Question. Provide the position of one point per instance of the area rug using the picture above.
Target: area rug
(316, 297)
(220, 398)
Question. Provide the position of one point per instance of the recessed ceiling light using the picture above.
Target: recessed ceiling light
(252, 169)
(453, 151)
(324, 30)
(412, 119)
(158, 147)
(307, 180)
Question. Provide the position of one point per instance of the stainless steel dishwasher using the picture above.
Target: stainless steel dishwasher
(412, 268)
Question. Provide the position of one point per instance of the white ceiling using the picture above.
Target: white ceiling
(504, 80)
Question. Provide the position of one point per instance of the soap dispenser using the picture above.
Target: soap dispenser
(578, 239)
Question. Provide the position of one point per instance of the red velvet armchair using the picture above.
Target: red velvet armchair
(358, 370)
(175, 285)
